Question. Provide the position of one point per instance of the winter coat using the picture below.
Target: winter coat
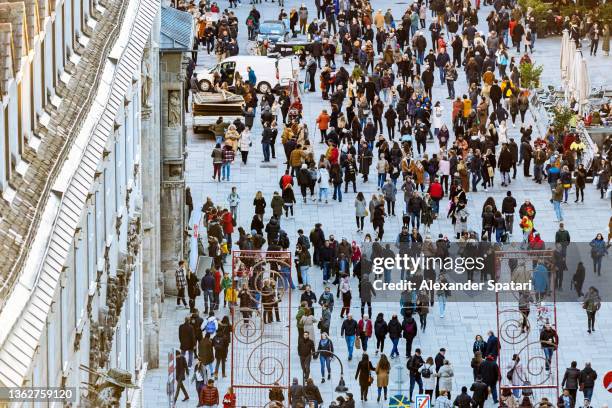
(445, 378)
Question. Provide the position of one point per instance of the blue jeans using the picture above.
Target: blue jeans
(325, 271)
(420, 57)
(435, 206)
(548, 353)
(418, 380)
(451, 89)
(494, 393)
(225, 171)
(286, 273)
(338, 192)
(533, 37)
(350, 343)
(266, 151)
(394, 350)
(498, 235)
(208, 299)
(219, 139)
(588, 393)
(415, 220)
(343, 266)
(476, 177)
(325, 361)
(382, 177)
(304, 271)
(558, 212)
(189, 357)
(322, 192)
(442, 76)
(442, 304)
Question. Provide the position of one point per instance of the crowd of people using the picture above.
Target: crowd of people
(370, 67)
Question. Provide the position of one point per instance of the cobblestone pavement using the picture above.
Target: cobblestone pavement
(463, 321)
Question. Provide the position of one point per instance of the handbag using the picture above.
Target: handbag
(370, 380)
(358, 343)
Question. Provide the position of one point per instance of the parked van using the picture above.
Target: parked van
(271, 73)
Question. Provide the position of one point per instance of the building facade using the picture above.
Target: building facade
(79, 201)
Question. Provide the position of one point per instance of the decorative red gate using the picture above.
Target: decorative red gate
(521, 316)
(261, 344)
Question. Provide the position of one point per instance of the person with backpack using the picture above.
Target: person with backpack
(413, 365)
(409, 332)
(587, 381)
(220, 344)
(206, 354)
(428, 376)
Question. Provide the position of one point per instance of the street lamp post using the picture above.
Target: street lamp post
(341, 384)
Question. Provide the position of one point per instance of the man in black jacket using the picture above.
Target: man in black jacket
(349, 331)
(187, 339)
(395, 333)
(207, 284)
(490, 375)
(587, 380)
(508, 208)
(413, 364)
(480, 392)
(181, 373)
(463, 400)
(439, 362)
(306, 349)
(570, 380)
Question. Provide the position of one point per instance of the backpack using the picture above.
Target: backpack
(210, 327)
(426, 373)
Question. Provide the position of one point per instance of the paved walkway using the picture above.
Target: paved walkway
(463, 321)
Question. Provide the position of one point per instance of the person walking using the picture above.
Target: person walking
(380, 331)
(598, 250)
(217, 156)
(586, 382)
(489, 371)
(312, 393)
(557, 197)
(324, 350)
(349, 331)
(394, 328)
(382, 376)
(413, 365)
(361, 210)
(306, 349)
(181, 284)
(365, 331)
(480, 392)
(180, 374)
(200, 376)
(571, 379)
(591, 304)
(187, 339)
(445, 379)
(364, 368)
(206, 353)
(409, 332)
